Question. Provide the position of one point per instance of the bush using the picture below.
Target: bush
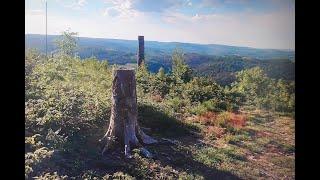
(227, 106)
(66, 102)
(32, 143)
(160, 83)
(198, 109)
(144, 78)
(214, 106)
(67, 93)
(177, 104)
(201, 89)
(202, 108)
(222, 119)
(264, 92)
(181, 72)
(207, 118)
(233, 122)
(50, 176)
(33, 160)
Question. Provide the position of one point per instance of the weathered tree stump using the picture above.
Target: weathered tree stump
(124, 128)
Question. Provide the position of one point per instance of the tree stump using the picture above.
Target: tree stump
(123, 127)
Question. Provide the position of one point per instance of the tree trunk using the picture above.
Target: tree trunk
(123, 127)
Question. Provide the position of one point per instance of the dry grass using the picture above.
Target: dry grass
(260, 148)
(237, 120)
(225, 118)
(207, 118)
(214, 132)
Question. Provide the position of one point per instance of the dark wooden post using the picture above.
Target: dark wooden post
(140, 56)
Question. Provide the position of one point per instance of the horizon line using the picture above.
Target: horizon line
(169, 42)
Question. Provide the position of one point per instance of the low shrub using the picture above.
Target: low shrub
(222, 119)
(201, 108)
(198, 109)
(231, 121)
(50, 176)
(34, 161)
(207, 118)
(177, 104)
(201, 89)
(237, 120)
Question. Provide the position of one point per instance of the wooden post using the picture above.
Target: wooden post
(140, 56)
(123, 127)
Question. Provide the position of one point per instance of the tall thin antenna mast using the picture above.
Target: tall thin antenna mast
(46, 32)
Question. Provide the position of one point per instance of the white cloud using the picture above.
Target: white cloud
(121, 9)
(73, 4)
(272, 30)
(77, 4)
(121, 20)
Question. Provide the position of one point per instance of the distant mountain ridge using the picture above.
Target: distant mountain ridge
(102, 45)
(218, 61)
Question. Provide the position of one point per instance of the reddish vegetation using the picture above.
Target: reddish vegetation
(237, 120)
(212, 129)
(208, 118)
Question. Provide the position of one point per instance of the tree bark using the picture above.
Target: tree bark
(123, 127)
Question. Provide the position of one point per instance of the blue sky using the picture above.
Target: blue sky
(251, 23)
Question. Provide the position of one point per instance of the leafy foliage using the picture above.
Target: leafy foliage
(264, 92)
(67, 43)
(67, 103)
(201, 89)
(65, 98)
(180, 70)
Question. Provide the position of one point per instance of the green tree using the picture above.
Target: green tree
(143, 78)
(254, 84)
(161, 83)
(180, 70)
(67, 43)
(264, 92)
(282, 96)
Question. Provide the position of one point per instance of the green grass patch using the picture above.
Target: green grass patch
(283, 161)
(215, 156)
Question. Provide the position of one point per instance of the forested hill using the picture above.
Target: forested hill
(223, 69)
(217, 61)
(104, 48)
